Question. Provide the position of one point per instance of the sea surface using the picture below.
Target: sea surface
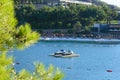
(94, 61)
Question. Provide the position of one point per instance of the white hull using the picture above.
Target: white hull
(65, 56)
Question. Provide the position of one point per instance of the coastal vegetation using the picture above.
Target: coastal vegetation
(65, 17)
(14, 36)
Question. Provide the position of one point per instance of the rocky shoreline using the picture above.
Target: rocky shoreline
(83, 36)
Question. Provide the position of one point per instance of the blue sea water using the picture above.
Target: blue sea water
(94, 61)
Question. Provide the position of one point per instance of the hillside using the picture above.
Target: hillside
(99, 3)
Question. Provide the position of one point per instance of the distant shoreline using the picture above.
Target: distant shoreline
(82, 35)
(101, 40)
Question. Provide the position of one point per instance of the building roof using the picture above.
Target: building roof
(76, 2)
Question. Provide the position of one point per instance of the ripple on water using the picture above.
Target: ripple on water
(92, 64)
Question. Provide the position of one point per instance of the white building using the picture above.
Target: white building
(75, 2)
(39, 4)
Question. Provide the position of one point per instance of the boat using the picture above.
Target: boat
(65, 54)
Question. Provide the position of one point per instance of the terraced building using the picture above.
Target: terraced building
(54, 2)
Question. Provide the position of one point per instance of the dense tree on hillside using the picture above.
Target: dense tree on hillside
(59, 17)
(111, 14)
(118, 17)
(23, 13)
(19, 37)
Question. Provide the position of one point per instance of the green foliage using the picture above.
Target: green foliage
(10, 36)
(111, 14)
(14, 36)
(47, 74)
(5, 69)
(59, 17)
(25, 36)
(4, 60)
(77, 27)
(40, 73)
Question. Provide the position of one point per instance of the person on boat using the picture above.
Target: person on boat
(63, 51)
(70, 52)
